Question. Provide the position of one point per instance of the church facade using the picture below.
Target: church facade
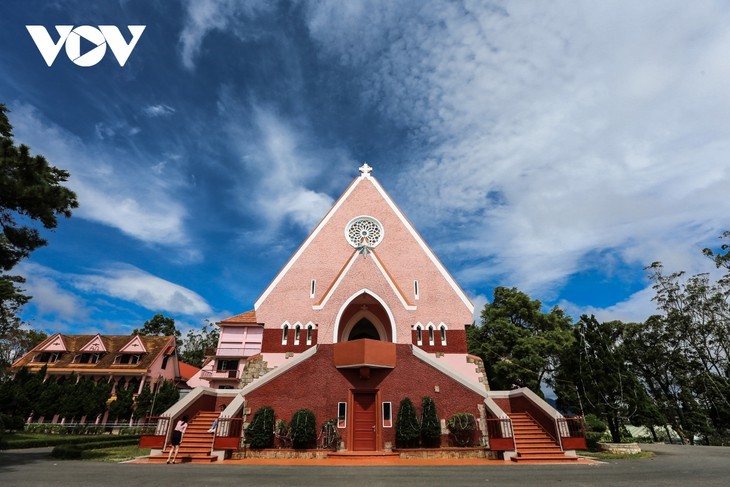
(362, 316)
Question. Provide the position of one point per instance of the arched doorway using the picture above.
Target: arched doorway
(364, 315)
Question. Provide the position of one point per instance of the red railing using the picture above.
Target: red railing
(499, 432)
(228, 434)
(158, 426)
(572, 433)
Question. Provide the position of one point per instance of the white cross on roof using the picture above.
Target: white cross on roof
(365, 169)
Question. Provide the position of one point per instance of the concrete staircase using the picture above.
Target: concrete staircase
(254, 368)
(533, 443)
(196, 444)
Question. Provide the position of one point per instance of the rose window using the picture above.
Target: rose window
(364, 231)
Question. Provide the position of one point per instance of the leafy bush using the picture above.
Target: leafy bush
(11, 423)
(407, 429)
(595, 424)
(592, 439)
(260, 433)
(461, 428)
(430, 425)
(303, 428)
(67, 452)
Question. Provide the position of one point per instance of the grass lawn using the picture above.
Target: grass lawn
(115, 454)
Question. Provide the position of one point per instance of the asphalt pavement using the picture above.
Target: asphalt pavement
(671, 465)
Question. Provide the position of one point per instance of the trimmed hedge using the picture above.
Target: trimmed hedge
(260, 433)
(55, 440)
(303, 429)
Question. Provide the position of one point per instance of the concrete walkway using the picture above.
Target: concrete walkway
(672, 465)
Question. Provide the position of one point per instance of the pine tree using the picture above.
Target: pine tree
(430, 425)
(407, 429)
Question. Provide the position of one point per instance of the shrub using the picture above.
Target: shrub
(67, 452)
(462, 427)
(11, 423)
(595, 424)
(303, 428)
(430, 425)
(592, 439)
(407, 429)
(260, 433)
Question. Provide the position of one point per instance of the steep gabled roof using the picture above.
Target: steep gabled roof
(135, 345)
(96, 344)
(365, 178)
(54, 343)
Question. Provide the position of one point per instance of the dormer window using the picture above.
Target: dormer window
(87, 358)
(127, 359)
(47, 357)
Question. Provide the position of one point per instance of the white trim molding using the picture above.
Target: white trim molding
(393, 333)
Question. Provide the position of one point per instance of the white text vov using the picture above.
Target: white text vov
(70, 36)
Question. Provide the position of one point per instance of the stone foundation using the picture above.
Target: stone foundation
(620, 448)
(477, 452)
(280, 453)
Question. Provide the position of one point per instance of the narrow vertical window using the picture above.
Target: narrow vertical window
(443, 334)
(284, 333)
(430, 335)
(312, 288)
(387, 415)
(297, 332)
(310, 332)
(415, 288)
(341, 414)
(419, 335)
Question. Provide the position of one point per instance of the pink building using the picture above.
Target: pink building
(360, 317)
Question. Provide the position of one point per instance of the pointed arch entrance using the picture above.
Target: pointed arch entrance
(364, 315)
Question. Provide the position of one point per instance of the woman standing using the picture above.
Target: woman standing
(177, 436)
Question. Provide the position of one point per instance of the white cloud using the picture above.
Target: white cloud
(281, 164)
(159, 110)
(127, 196)
(144, 289)
(204, 16)
(50, 299)
(636, 309)
(553, 130)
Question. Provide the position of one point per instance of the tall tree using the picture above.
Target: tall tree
(31, 191)
(159, 325)
(196, 344)
(519, 343)
(594, 375)
(16, 343)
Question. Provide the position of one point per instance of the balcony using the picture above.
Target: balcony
(364, 353)
(238, 352)
(220, 374)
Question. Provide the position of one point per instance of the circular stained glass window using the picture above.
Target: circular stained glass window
(364, 230)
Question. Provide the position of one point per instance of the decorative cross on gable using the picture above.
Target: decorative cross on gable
(365, 170)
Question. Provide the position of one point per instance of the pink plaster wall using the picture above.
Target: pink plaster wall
(399, 252)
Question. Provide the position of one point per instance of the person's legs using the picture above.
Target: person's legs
(169, 455)
(176, 448)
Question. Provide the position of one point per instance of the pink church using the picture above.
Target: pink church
(360, 317)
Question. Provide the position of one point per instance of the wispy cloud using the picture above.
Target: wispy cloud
(550, 130)
(129, 197)
(204, 16)
(159, 110)
(131, 284)
(50, 299)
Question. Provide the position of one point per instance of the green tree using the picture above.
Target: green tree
(31, 191)
(144, 402)
(303, 428)
(167, 395)
(260, 432)
(196, 343)
(158, 325)
(430, 424)
(121, 408)
(595, 367)
(16, 343)
(407, 429)
(519, 343)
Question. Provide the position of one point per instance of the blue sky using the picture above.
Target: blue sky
(558, 147)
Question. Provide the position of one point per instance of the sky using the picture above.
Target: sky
(557, 147)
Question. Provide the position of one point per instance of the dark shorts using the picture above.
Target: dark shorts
(176, 438)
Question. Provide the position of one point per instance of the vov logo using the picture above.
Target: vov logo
(71, 37)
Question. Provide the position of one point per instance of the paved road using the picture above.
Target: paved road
(672, 465)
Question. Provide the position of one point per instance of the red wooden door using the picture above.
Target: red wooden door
(363, 422)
